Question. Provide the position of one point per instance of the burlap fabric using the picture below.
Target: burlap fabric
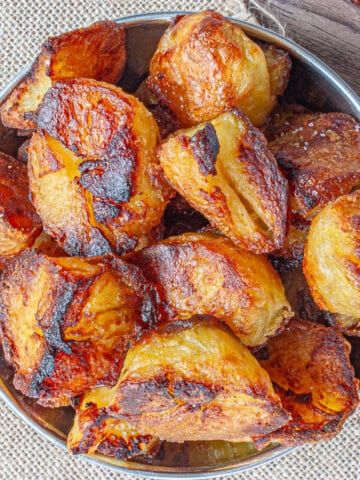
(25, 455)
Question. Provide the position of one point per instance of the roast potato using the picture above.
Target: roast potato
(97, 51)
(19, 223)
(94, 175)
(95, 431)
(65, 323)
(207, 274)
(310, 368)
(332, 260)
(225, 171)
(278, 63)
(204, 65)
(196, 381)
(319, 153)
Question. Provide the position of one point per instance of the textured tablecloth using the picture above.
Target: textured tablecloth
(24, 455)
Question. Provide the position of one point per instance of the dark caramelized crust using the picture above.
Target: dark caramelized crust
(206, 274)
(196, 381)
(97, 51)
(204, 65)
(319, 153)
(96, 151)
(225, 171)
(19, 223)
(310, 368)
(95, 431)
(66, 323)
(332, 261)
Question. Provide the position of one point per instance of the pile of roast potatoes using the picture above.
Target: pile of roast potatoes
(179, 263)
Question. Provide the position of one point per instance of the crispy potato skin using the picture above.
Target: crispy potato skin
(95, 431)
(310, 368)
(332, 259)
(319, 153)
(65, 323)
(204, 65)
(225, 171)
(97, 51)
(19, 223)
(243, 289)
(196, 381)
(105, 169)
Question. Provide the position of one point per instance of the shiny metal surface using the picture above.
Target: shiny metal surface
(312, 83)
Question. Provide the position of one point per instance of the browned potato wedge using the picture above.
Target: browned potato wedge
(207, 274)
(310, 368)
(19, 223)
(225, 171)
(97, 51)
(204, 65)
(65, 323)
(96, 184)
(95, 431)
(319, 153)
(332, 260)
(278, 63)
(196, 381)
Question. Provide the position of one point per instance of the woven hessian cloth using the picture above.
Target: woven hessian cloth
(24, 454)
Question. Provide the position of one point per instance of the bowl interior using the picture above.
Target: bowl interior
(312, 85)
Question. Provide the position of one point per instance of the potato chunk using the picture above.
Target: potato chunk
(278, 63)
(65, 323)
(97, 51)
(332, 260)
(206, 274)
(319, 153)
(94, 175)
(95, 432)
(19, 223)
(196, 381)
(225, 171)
(310, 368)
(204, 65)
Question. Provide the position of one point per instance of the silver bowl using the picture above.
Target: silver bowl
(312, 84)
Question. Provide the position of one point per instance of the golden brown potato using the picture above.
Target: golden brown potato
(278, 63)
(310, 368)
(225, 171)
(65, 323)
(95, 431)
(207, 274)
(204, 65)
(196, 381)
(94, 176)
(319, 153)
(97, 51)
(332, 260)
(19, 223)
